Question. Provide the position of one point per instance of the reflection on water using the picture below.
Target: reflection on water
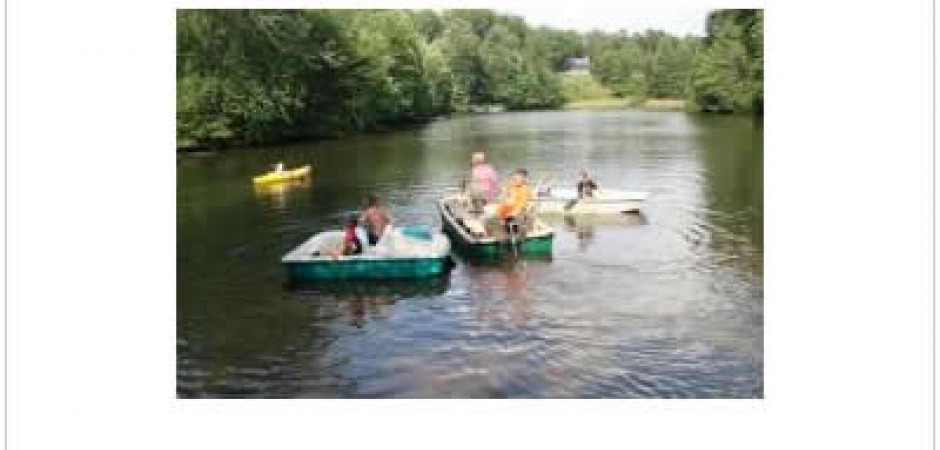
(663, 304)
(364, 300)
(583, 225)
(276, 193)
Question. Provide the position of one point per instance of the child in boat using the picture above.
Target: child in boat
(351, 244)
(375, 218)
(586, 186)
(518, 196)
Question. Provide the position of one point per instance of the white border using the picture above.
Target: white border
(91, 250)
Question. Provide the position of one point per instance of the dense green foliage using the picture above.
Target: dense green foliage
(256, 76)
(651, 64)
(723, 72)
(728, 73)
(250, 76)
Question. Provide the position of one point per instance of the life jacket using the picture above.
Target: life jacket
(517, 200)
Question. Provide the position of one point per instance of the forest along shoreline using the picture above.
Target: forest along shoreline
(257, 77)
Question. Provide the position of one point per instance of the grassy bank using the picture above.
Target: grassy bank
(577, 88)
(586, 92)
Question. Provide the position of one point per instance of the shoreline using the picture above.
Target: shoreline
(652, 104)
(580, 105)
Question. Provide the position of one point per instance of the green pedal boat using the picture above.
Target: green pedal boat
(467, 230)
(405, 252)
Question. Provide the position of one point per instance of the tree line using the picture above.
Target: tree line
(728, 72)
(257, 76)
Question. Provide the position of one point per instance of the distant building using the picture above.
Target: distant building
(578, 66)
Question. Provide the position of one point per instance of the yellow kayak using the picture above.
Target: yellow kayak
(284, 175)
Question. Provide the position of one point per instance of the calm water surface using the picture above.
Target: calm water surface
(663, 304)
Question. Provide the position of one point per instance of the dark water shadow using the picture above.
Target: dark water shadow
(315, 290)
(365, 300)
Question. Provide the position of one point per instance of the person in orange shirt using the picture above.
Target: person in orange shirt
(518, 196)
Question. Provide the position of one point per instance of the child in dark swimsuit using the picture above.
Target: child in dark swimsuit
(586, 186)
(351, 244)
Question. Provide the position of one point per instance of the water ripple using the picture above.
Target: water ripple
(667, 304)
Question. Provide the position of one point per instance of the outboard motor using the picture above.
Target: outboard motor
(514, 229)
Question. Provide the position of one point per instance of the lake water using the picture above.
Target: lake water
(663, 304)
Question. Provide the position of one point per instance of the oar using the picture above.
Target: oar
(571, 204)
(545, 179)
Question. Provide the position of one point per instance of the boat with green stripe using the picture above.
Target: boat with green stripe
(469, 236)
(402, 253)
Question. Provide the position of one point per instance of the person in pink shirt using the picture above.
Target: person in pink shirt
(485, 182)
